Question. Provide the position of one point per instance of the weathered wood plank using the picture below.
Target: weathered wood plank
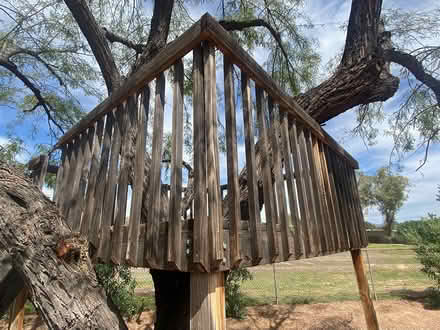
(64, 190)
(232, 163)
(207, 301)
(291, 186)
(269, 207)
(315, 190)
(309, 189)
(200, 243)
(333, 227)
(70, 191)
(124, 168)
(300, 176)
(87, 220)
(327, 229)
(59, 181)
(43, 170)
(357, 202)
(215, 212)
(141, 109)
(86, 146)
(174, 249)
(101, 181)
(16, 311)
(252, 182)
(342, 235)
(283, 219)
(166, 57)
(110, 190)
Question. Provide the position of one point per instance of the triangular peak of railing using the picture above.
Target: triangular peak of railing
(292, 167)
(207, 28)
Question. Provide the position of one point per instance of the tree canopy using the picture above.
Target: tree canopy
(386, 191)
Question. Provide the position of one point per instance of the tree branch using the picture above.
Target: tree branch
(41, 100)
(97, 42)
(113, 37)
(415, 67)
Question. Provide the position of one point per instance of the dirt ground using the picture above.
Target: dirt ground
(392, 314)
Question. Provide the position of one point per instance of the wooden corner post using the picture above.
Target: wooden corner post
(364, 292)
(207, 299)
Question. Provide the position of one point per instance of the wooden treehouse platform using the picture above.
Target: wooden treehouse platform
(294, 171)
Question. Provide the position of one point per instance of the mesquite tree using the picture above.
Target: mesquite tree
(55, 48)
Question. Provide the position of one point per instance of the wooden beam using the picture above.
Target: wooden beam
(207, 301)
(364, 292)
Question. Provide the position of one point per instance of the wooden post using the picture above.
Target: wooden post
(16, 311)
(207, 301)
(367, 304)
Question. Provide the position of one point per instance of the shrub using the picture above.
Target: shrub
(425, 234)
(119, 285)
(235, 306)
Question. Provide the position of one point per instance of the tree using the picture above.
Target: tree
(119, 44)
(386, 191)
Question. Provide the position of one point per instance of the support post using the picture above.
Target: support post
(207, 301)
(16, 311)
(367, 303)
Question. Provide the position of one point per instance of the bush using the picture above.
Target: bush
(425, 234)
(119, 285)
(235, 306)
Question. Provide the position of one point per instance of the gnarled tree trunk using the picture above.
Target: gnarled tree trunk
(53, 264)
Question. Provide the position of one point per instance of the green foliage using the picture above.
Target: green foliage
(386, 191)
(425, 234)
(235, 305)
(10, 151)
(119, 285)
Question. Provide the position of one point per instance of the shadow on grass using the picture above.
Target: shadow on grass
(430, 297)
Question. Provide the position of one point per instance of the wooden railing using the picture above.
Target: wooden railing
(304, 180)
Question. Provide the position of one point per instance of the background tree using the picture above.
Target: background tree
(386, 191)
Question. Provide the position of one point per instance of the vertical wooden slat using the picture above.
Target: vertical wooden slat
(16, 311)
(88, 220)
(301, 177)
(339, 215)
(64, 193)
(174, 219)
(252, 183)
(269, 207)
(342, 202)
(215, 222)
(124, 168)
(334, 228)
(110, 190)
(154, 189)
(309, 188)
(80, 195)
(133, 249)
(290, 181)
(101, 181)
(44, 161)
(73, 152)
(358, 207)
(200, 243)
(60, 174)
(232, 164)
(351, 204)
(279, 183)
(325, 220)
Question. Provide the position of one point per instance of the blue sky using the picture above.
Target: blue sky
(331, 40)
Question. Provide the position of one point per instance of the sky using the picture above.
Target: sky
(328, 17)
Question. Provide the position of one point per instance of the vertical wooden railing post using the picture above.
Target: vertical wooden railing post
(364, 292)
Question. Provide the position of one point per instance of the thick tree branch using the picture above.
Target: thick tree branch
(113, 37)
(41, 100)
(97, 42)
(415, 67)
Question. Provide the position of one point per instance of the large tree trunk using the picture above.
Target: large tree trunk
(53, 263)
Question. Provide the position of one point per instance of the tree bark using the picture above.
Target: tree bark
(53, 263)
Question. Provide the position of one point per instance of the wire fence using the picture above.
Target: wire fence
(392, 273)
